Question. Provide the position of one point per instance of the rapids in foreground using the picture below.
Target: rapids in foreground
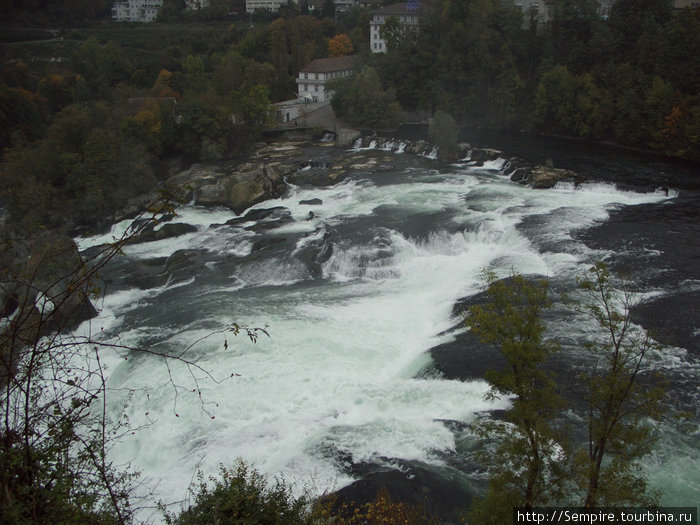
(366, 373)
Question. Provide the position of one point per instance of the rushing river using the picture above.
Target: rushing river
(366, 373)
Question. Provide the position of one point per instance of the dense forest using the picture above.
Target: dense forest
(632, 77)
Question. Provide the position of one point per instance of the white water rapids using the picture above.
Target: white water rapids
(341, 379)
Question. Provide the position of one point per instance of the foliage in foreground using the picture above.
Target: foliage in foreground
(242, 495)
(532, 463)
(383, 511)
(526, 469)
(56, 422)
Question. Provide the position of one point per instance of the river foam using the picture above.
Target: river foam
(339, 379)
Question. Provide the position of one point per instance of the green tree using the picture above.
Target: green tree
(528, 467)
(242, 495)
(364, 102)
(193, 66)
(22, 116)
(171, 10)
(443, 131)
(328, 9)
(392, 32)
(619, 404)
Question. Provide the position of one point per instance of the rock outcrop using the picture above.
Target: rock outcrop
(539, 177)
(238, 188)
(45, 288)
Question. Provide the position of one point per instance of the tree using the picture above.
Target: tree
(328, 9)
(619, 403)
(392, 32)
(53, 437)
(339, 45)
(443, 132)
(242, 495)
(526, 470)
(364, 102)
(171, 10)
(382, 510)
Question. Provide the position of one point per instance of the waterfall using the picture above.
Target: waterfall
(356, 297)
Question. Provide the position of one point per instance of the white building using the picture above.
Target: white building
(535, 12)
(408, 15)
(270, 5)
(136, 10)
(196, 4)
(313, 78)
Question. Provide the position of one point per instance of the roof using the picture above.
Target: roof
(402, 8)
(328, 65)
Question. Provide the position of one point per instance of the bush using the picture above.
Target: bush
(383, 511)
(243, 496)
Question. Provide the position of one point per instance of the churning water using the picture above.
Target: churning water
(358, 300)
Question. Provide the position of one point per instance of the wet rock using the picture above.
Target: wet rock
(516, 165)
(264, 243)
(464, 150)
(317, 177)
(46, 286)
(276, 218)
(311, 202)
(542, 177)
(481, 155)
(183, 264)
(539, 177)
(276, 213)
(146, 274)
(316, 252)
(246, 185)
(166, 231)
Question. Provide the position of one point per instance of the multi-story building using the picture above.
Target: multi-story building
(270, 5)
(136, 10)
(535, 12)
(196, 4)
(312, 83)
(408, 15)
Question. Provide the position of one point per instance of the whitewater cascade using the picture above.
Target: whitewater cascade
(354, 296)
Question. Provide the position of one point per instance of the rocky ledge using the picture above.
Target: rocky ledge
(238, 188)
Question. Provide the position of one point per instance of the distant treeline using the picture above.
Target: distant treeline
(632, 77)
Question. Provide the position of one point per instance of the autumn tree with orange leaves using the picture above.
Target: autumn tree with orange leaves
(340, 45)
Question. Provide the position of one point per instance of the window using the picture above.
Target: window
(306, 76)
(316, 76)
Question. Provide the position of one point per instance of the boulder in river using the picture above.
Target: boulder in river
(239, 189)
(539, 177)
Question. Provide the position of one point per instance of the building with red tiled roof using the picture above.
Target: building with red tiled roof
(314, 77)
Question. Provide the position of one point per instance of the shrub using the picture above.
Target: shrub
(243, 496)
